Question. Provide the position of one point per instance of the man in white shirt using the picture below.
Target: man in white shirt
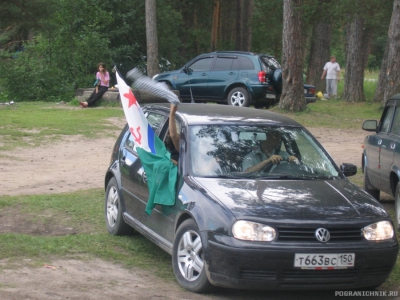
(332, 72)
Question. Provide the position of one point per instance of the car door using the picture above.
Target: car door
(222, 74)
(133, 177)
(195, 80)
(389, 148)
(378, 148)
(161, 219)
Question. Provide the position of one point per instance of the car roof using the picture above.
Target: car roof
(196, 114)
(395, 97)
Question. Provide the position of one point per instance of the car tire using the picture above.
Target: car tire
(113, 211)
(239, 96)
(397, 207)
(368, 187)
(188, 259)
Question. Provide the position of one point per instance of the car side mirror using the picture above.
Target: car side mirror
(187, 70)
(370, 125)
(348, 169)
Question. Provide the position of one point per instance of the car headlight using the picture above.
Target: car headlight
(251, 231)
(155, 76)
(379, 231)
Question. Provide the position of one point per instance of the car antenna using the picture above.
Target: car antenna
(190, 86)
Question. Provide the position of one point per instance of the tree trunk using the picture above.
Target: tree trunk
(215, 26)
(238, 29)
(247, 16)
(151, 36)
(319, 53)
(392, 70)
(354, 77)
(292, 98)
(378, 97)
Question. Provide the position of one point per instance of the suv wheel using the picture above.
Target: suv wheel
(239, 96)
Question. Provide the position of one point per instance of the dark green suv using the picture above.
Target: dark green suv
(233, 77)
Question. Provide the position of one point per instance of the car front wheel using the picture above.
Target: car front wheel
(397, 207)
(188, 258)
(113, 211)
(239, 97)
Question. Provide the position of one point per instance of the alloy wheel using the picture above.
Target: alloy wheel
(112, 206)
(189, 255)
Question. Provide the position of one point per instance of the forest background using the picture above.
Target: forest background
(49, 48)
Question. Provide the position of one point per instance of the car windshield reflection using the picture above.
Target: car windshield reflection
(257, 152)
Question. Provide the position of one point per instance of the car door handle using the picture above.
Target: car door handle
(232, 73)
(204, 74)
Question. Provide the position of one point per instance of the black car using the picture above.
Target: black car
(381, 156)
(233, 77)
(298, 224)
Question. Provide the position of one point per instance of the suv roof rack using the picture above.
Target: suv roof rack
(239, 52)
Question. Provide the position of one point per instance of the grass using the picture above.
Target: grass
(74, 209)
(34, 123)
(335, 114)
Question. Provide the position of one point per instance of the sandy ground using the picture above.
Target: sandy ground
(66, 167)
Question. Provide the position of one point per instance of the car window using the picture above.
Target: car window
(203, 64)
(387, 119)
(270, 62)
(245, 63)
(396, 122)
(230, 150)
(223, 63)
(155, 120)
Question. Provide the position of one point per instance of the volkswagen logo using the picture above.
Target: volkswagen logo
(322, 235)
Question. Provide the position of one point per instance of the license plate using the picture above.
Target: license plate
(324, 261)
(270, 96)
(305, 91)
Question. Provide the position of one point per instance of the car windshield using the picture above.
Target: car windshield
(244, 151)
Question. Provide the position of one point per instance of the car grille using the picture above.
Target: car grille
(315, 277)
(308, 234)
(323, 277)
(258, 274)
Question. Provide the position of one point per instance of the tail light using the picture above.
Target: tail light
(261, 76)
(311, 91)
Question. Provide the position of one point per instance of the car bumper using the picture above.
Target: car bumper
(257, 268)
(311, 99)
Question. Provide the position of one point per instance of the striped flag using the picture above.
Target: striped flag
(156, 160)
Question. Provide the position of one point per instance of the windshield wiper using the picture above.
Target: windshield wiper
(287, 177)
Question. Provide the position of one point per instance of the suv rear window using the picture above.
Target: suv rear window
(245, 63)
(270, 62)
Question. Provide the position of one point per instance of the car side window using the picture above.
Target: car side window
(396, 122)
(245, 63)
(155, 120)
(223, 64)
(387, 119)
(203, 64)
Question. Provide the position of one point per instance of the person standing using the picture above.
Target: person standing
(103, 78)
(332, 72)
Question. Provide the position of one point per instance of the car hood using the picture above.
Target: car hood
(294, 199)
